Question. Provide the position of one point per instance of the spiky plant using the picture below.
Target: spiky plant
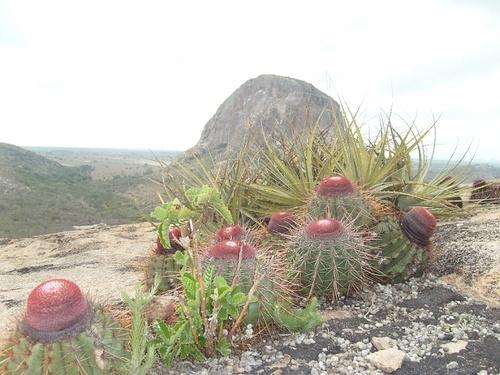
(165, 268)
(161, 262)
(338, 197)
(382, 164)
(63, 332)
(404, 245)
(281, 222)
(331, 258)
(245, 265)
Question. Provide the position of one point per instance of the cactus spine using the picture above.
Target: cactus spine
(331, 258)
(337, 197)
(64, 333)
(404, 245)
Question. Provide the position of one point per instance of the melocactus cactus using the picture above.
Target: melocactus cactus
(335, 186)
(403, 246)
(174, 234)
(419, 225)
(337, 197)
(63, 332)
(331, 258)
(249, 266)
(232, 232)
(164, 266)
(281, 222)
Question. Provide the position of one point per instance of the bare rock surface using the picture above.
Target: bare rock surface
(263, 104)
(103, 260)
(467, 255)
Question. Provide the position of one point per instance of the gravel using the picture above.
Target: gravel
(419, 315)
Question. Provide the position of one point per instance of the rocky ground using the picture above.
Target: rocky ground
(445, 323)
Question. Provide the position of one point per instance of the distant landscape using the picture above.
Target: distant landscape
(50, 189)
(44, 189)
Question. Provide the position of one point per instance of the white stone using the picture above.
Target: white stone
(454, 347)
(387, 360)
(381, 343)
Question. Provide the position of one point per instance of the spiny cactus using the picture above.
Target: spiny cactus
(161, 262)
(281, 222)
(64, 333)
(164, 266)
(419, 225)
(331, 258)
(337, 197)
(232, 232)
(404, 246)
(240, 262)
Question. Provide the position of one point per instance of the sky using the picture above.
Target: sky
(150, 74)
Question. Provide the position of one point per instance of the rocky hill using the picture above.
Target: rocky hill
(263, 105)
(38, 195)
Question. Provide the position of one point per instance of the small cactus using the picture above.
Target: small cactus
(403, 247)
(167, 269)
(232, 232)
(64, 332)
(485, 193)
(419, 225)
(337, 197)
(241, 262)
(281, 222)
(331, 258)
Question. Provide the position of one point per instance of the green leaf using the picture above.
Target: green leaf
(190, 285)
(238, 299)
(163, 233)
(159, 213)
(223, 347)
(220, 282)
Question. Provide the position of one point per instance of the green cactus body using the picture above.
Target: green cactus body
(92, 344)
(330, 259)
(337, 198)
(399, 258)
(404, 246)
(167, 269)
(224, 258)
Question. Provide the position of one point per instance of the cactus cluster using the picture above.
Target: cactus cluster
(349, 238)
(63, 332)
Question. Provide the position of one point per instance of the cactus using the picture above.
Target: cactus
(331, 258)
(404, 246)
(232, 232)
(161, 262)
(337, 197)
(64, 333)
(224, 257)
(281, 222)
(165, 266)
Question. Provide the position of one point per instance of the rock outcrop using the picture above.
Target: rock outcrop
(264, 105)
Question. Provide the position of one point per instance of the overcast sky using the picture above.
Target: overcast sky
(150, 74)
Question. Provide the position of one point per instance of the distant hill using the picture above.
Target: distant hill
(39, 195)
(472, 172)
(266, 104)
